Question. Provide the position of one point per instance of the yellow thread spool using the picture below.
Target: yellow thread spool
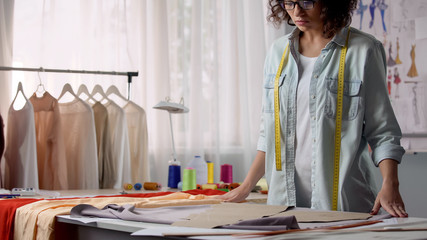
(128, 186)
(210, 172)
(210, 186)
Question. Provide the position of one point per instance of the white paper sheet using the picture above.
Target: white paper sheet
(420, 28)
(159, 231)
(87, 219)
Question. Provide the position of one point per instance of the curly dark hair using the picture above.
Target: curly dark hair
(336, 14)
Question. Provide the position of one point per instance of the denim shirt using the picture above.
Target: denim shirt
(367, 119)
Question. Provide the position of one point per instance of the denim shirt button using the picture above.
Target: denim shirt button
(313, 96)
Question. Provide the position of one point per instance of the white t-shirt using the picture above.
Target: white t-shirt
(303, 134)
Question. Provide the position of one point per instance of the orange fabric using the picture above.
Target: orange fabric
(36, 220)
(7, 215)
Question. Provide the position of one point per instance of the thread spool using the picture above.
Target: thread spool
(137, 186)
(174, 176)
(210, 172)
(128, 186)
(189, 179)
(180, 186)
(152, 186)
(226, 173)
(233, 186)
(209, 186)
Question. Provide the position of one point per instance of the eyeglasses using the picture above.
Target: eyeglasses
(303, 4)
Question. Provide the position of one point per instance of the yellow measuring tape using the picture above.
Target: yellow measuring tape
(283, 62)
(338, 121)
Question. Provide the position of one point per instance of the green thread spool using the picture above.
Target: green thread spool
(189, 179)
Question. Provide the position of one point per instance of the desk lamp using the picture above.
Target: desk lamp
(174, 176)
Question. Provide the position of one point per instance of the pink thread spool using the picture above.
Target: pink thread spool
(226, 173)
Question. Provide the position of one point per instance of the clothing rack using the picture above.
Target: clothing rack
(128, 74)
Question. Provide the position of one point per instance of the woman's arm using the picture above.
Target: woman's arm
(389, 197)
(256, 171)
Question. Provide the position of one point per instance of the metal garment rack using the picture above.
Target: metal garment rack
(128, 74)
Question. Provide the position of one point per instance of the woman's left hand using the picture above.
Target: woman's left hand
(390, 200)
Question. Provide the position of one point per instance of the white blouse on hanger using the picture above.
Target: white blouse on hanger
(20, 154)
(106, 167)
(120, 143)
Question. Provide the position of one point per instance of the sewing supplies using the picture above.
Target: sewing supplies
(227, 173)
(137, 186)
(127, 186)
(174, 176)
(210, 171)
(189, 179)
(152, 186)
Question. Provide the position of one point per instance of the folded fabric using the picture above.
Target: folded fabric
(36, 220)
(265, 224)
(163, 215)
(7, 215)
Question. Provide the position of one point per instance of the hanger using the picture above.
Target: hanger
(83, 89)
(67, 88)
(113, 90)
(40, 88)
(98, 90)
(19, 89)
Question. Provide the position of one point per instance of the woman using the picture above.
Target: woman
(308, 97)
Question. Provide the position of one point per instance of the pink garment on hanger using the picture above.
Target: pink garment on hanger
(51, 159)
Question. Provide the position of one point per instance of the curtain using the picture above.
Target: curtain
(6, 43)
(210, 53)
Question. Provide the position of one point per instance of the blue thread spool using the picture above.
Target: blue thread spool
(137, 186)
(174, 176)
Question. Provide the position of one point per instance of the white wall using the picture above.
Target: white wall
(413, 183)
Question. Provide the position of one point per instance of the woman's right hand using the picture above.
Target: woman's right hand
(256, 171)
(238, 194)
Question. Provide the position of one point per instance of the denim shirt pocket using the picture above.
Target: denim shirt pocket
(268, 94)
(351, 98)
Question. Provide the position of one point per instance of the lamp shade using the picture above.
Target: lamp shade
(171, 107)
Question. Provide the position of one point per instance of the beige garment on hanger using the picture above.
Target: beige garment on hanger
(78, 129)
(51, 159)
(138, 142)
